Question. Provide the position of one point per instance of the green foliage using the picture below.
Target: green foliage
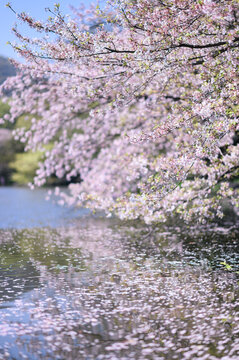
(23, 121)
(228, 267)
(7, 152)
(4, 108)
(24, 167)
(7, 155)
(15, 165)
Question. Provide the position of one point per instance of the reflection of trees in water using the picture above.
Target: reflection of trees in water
(26, 254)
(17, 273)
(135, 298)
(127, 294)
(191, 246)
(142, 311)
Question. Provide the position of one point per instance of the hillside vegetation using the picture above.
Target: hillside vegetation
(6, 69)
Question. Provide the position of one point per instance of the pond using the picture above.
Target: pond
(77, 287)
(24, 208)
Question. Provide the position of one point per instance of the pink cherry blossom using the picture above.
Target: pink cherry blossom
(143, 106)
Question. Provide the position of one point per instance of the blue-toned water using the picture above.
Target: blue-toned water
(24, 208)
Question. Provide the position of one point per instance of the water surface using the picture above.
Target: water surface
(101, 289)
(24, 208)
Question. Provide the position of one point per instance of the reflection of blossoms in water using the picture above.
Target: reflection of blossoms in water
(125, 296)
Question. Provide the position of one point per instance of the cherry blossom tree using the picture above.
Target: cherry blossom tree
(143, 106)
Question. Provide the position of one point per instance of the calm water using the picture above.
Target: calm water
(23, 208)
(84, 288)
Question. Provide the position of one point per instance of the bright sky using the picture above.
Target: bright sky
(35, 8)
